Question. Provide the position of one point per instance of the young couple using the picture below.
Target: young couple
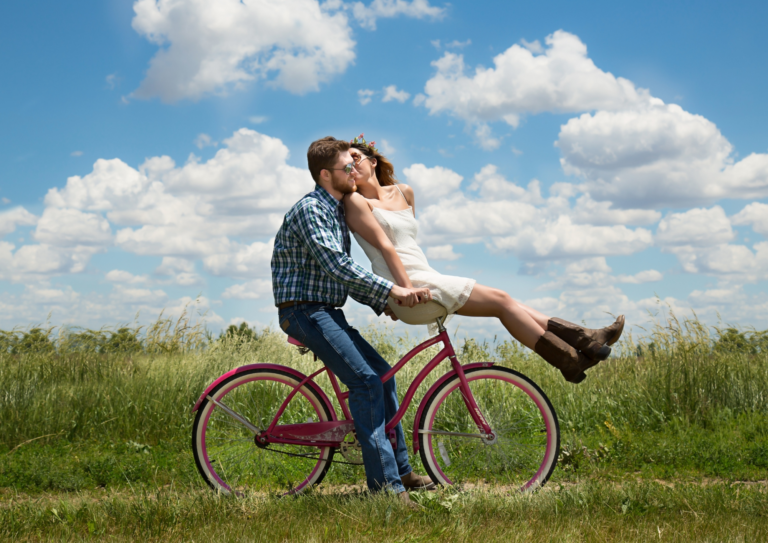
(312, 274)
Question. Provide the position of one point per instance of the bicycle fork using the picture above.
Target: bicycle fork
(469, 400)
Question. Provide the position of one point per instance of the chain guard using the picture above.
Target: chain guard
(351, 450)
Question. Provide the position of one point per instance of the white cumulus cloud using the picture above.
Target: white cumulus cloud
(191, 210)
(122, 276)
(734, 263)
(391, 93)
(251, 290)
(378, 9)
(562, 78)
(365, 96)
(588, 211)
(755, 215)
(242, 261)
(645, 276)
(12, 218)
(431, 184)
(491, 185)
(213, 211)
(210, 47)
(204, 140)
(72, 227)
(700, 239)
(657, 156)
(696, 228)
(631, 149)
(442, 252)
(485, 138)
(519, 220)
(561, 238)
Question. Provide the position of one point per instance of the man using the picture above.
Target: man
(312, 273)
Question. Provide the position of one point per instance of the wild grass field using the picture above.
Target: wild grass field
(667, 440)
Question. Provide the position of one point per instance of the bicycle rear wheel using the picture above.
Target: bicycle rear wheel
(225, 452)
(527, 434)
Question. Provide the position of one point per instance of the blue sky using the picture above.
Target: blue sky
(150, 149)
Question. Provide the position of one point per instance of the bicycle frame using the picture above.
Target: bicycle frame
(331, 433)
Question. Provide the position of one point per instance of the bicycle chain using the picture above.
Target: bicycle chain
(316, 456)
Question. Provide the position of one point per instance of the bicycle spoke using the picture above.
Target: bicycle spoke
(230, 439)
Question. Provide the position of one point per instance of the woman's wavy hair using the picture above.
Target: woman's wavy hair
(385, 171)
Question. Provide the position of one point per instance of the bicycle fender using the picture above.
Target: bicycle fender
(431, 391)
(297, 374)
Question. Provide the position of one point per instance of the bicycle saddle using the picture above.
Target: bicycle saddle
(296, 342)
(426, 313)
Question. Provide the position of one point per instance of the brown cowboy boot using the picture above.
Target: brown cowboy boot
(559, 354)
(593, 343)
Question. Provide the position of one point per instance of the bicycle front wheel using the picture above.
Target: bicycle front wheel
(225, 451)
(526, 443)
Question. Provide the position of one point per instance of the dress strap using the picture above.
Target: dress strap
(403, 195)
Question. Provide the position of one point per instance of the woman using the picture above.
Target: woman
(381, 214)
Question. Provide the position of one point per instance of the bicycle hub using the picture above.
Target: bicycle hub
(261, 440)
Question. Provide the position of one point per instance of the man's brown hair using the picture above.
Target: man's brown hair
(322, 154)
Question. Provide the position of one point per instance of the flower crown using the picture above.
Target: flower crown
(360, 140)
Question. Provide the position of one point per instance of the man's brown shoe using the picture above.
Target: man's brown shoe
(417, 482)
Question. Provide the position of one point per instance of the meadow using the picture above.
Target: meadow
(667, 440)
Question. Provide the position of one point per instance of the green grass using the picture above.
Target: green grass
(101, 435)
(147, 396)
(737, 450)
(592, 511)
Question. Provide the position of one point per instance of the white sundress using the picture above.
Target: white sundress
(401, 228)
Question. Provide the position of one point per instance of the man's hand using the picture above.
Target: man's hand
(388, 312)
(409, 297)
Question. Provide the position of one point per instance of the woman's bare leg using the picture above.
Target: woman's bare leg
(491, 302)
(540, 318)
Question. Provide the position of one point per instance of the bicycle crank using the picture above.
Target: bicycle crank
(351, 449)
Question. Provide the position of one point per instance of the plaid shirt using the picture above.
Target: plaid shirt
(311, 262)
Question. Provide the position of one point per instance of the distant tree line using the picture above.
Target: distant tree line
(729, 340)
(124, 340)
(42, 341)
(127, 340)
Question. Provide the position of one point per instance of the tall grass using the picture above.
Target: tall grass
(112, 407)
(145, 393)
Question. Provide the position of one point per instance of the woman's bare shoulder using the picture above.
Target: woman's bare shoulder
(407, 191)
(356, 201)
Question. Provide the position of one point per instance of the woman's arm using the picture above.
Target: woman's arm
(360, 219)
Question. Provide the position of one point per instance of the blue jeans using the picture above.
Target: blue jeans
(325, 330)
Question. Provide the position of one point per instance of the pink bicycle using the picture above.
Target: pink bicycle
(267, 426)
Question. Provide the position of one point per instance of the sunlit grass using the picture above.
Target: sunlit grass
(146, 394)
(84, 409)
(593, 511)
